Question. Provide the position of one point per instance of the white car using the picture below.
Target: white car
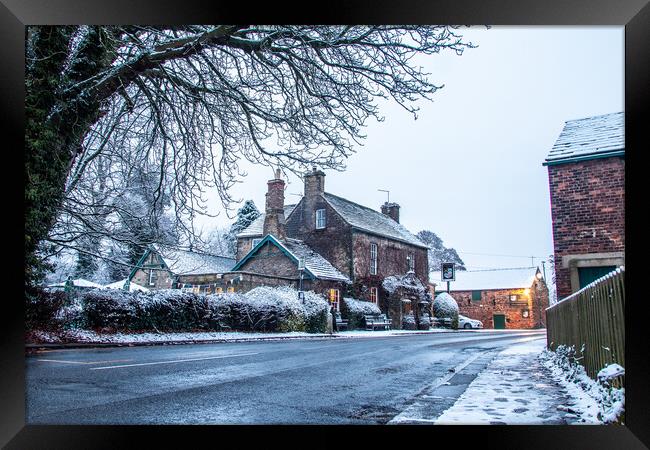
(467, 323)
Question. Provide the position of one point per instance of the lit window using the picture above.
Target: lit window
(231, 289)
(196, 289)
(373, 295)
(255, 241)
(524, 313)
(320, 219)
(513, 297)
(373, 259)
(219, 290)
(334, 298)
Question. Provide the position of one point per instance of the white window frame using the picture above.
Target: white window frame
(374, 250)
(321, 221)
(410, 261)
(375, 291)
(151, 281)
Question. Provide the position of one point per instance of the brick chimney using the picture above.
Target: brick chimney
(274, 220)
(314, 183)
(391, 210)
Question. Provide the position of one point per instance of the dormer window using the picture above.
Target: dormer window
(320, 219)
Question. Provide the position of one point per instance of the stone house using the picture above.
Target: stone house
(343, 248)
(586, 171)
(164, 268)
(500, 298)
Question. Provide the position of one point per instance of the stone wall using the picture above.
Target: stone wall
(162, 278)
(588, 212)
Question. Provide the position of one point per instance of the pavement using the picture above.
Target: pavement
(376, 380)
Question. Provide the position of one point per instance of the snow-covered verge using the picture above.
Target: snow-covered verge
(596, 401)
(92, 337)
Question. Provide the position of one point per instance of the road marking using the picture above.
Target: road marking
(172, 362)
(83, 362)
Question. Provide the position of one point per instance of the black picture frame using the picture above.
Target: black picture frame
(15, 14)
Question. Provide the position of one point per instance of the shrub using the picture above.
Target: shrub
(354, 311)
(109, 308)
(42, 308)
(445, 307)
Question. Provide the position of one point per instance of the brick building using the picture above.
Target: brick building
(586, 170)
(345, 248)
(504, 298)
(162, 268)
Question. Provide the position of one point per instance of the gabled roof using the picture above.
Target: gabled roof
(470, 280)
(183, 262)
(315, 265)
(256, 228)
(589, 138)
(371, 221)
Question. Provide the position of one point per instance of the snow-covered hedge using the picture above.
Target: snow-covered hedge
(445, 307)
(42, 308)
(354, 311)
(261, 309)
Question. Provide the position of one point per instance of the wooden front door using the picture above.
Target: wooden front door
(499, 321)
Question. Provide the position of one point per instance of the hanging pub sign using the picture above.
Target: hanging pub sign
(448, 272)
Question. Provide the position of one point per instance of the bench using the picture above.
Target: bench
(378, 321)
(341, 324)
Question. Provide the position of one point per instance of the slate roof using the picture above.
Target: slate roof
(182, 262)
(469, 280)
(598, 136)
(296, 249)
(256, 228)
(314, 262)
(366, 219)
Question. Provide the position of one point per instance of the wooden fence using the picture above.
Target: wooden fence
(593, 317)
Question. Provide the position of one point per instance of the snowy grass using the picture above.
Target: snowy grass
(595, 401)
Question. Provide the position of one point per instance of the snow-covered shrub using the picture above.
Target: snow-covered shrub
(408, 322)
(42, 307)
(315, 309)
(445, 307)
(354, 311)
(276, 309)
(71, 315)
(109, 308)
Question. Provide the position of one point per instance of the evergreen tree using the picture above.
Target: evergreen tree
(245, 216)
(438, 253)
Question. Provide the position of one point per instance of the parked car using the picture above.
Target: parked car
(466, 322)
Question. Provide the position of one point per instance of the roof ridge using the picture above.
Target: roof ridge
(356, 204)
(594, 117)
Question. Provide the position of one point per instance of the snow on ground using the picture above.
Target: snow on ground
(91, 337)
(513, 389)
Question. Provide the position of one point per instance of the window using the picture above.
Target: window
(373, 295)
(255, 241)
(320, 219)
(196, 288)
(524, 313)
(373, 259)
(410, 261)
(152, 277)
(476, 296)
(513, 297)
(334, 298)
(219, 290)
(231, 289)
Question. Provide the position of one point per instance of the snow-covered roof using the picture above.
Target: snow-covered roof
(366, 219)
(78, 282)
(597, 136)
(471, 280)
(314, 262)
(183, 262)
(120, 285)
(256, 228)
(296, 249)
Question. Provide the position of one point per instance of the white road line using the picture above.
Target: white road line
(172, 362)
(83, 362)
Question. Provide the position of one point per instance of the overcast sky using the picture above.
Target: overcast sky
(470, 168)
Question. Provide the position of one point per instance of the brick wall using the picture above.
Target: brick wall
(497, 301)
(162, 278)
(588, 211)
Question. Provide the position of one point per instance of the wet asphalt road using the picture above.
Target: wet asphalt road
(315, 381)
